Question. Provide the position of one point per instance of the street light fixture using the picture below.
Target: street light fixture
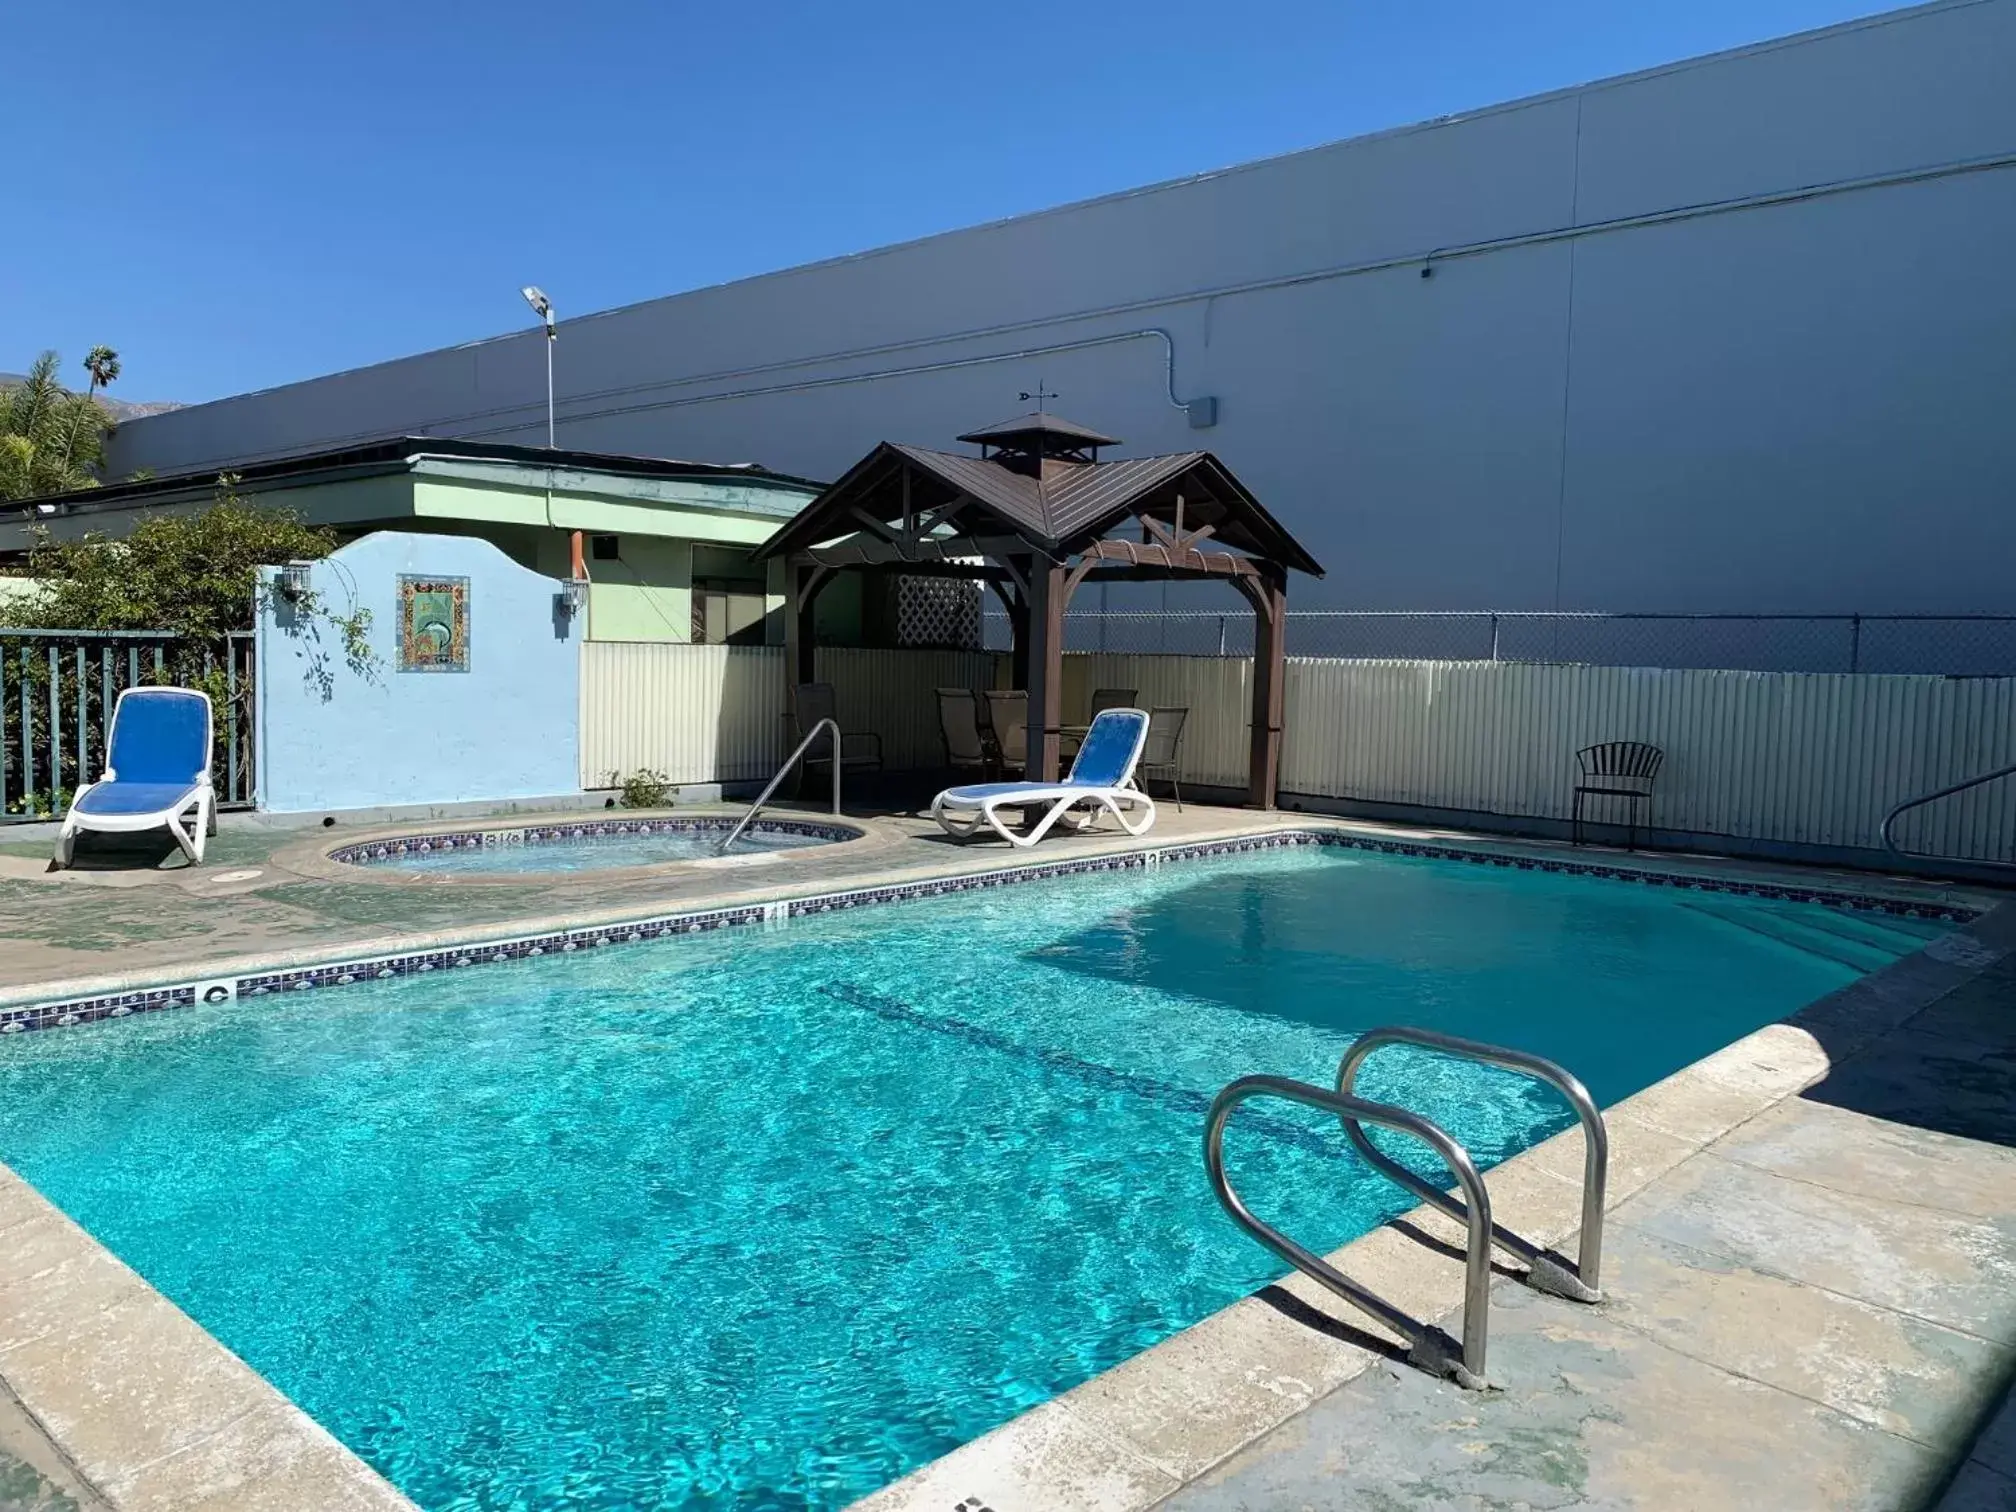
(543, 308)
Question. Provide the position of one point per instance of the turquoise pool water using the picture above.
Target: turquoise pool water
(763, 1220)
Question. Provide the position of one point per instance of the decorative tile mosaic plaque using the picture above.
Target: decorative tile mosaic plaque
(433, 624)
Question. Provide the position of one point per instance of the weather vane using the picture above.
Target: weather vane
(1039, 394)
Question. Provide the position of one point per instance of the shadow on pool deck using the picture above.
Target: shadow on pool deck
(1817, 1310)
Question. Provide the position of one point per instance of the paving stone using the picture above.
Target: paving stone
(1584, 1421)
(1214, 1388)
(1691, 1108)
(1949, 1269)
(271, 1459)
(1885, 1368)
(1873, 1157)
(1047, 1460)
(131, 1385)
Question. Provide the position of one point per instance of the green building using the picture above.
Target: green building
(664, 544)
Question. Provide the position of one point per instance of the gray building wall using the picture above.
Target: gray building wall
(1738, 334)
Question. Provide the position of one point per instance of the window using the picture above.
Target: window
(604, 548)
(727, 612)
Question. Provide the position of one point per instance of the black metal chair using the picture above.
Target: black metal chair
(1617, 769)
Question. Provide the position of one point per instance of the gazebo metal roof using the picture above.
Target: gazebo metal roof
(1060, 508)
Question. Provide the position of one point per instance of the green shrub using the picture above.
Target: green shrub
(644, 788)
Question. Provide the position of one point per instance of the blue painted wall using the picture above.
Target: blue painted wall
(333, 736)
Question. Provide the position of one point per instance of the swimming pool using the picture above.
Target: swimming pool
(764, 1219)
(587, 845)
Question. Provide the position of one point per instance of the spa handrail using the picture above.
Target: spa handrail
(769, 791)
(1891, 818)
(1584, 1284)
(1428, 1346)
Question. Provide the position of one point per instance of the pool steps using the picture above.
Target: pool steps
(1859, 954)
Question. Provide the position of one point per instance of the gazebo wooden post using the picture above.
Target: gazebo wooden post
(801, 592)
(1270, 676)
(1018, 640)
(1047, 598)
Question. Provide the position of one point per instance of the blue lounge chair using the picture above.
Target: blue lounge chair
(157, 772)
(1100, 778)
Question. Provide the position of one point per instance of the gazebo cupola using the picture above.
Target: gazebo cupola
(1035, 515)
(1036, 442)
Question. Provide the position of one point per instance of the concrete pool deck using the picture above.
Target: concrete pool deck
(1769, 1287)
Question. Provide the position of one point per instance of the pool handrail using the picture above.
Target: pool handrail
(1886, 828)
(1428, 1346)
(770, 789)
(1543, 1271)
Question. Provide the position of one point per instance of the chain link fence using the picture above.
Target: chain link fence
(1944, 645)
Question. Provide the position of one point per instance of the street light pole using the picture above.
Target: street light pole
(543, 308)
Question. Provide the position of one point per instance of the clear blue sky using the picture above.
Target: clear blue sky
(239, 194)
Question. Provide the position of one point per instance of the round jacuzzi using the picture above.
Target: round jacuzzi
(591, 845)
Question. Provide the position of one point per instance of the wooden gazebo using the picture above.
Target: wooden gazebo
(1035, 514)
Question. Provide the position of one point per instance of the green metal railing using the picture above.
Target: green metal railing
(57, 691)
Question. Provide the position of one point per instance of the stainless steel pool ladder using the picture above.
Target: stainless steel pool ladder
(1888, 827)
(1428, 1346)
(825, 726)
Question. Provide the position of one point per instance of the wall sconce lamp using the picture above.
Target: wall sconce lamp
(573, 596)
(293, 581)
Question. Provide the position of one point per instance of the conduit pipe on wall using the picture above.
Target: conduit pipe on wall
(1413, 259)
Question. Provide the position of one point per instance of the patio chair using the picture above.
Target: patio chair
(1008, 717)
(814, 701)
(967, 743)
(1099, 780)
(1160, 755)
(1616, 769)
(157, 773)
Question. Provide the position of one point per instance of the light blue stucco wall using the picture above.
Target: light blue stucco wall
(333, 737)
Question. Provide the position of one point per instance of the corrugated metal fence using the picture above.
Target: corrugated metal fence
(690, 713)
(718, 713)
(1806, 758)
(1216, 690)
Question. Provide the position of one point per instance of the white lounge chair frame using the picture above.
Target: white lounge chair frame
(963, 818)
(191, 819)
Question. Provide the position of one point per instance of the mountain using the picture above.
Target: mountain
(118, 409)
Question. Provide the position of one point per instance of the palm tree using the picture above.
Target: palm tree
(103, 365)
(50, 438)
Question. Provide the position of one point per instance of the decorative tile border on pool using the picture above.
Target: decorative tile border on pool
(90, 1010)
(395, 847)
(670, 926)
(1953, 913)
